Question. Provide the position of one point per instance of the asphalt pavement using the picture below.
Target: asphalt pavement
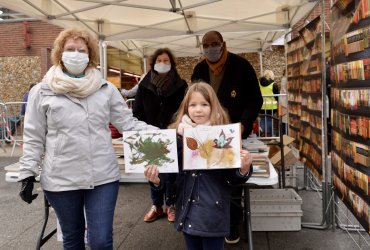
(21, 223)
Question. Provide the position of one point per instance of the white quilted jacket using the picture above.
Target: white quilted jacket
(73, 136)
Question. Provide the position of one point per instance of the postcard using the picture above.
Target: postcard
(150, 147)
(212, 147)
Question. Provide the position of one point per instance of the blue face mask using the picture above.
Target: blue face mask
(213, 54)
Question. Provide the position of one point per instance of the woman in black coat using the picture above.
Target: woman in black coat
(158, 97)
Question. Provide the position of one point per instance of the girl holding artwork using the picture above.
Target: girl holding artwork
(203, 196)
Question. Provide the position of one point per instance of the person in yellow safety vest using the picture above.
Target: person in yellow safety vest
(270, 104)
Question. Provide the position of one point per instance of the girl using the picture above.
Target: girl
(203, 196)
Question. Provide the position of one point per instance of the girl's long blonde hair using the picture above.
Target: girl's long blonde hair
(218, 113)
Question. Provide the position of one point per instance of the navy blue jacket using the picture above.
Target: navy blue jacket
(203, 199)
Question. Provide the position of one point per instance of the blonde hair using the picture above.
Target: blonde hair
(218, 113)
(74, 33)
(268, 74)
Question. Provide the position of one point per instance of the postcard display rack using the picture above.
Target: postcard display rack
(350, 96)
(304, 63)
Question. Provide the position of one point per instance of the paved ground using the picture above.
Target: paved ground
(21, 223)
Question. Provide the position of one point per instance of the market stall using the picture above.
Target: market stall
(139, 28)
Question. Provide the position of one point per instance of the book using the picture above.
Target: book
(118, 146)
(254, 145)
(261, 166)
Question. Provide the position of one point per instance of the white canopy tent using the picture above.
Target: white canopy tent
(141, 26)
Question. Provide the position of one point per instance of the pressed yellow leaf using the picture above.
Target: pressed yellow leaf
(206, 149)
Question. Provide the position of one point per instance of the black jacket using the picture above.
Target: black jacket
(239, 90)
(154, 109)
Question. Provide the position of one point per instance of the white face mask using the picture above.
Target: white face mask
(162, 67)
(75, 62)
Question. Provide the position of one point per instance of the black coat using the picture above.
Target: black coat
(239, 90)
(154, 109)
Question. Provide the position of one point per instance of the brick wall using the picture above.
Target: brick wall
(42, 35)
(19, 66)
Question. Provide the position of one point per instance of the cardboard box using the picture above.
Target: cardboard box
(290, 156)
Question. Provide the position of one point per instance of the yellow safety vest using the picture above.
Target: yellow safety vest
(268, 102)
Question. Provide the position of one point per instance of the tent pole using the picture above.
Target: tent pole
(104, 45)
(101, 57)
(145, 61)
(326, 183)
(327, 205)
(261, 65)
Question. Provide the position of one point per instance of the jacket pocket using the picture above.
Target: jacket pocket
(59, 145)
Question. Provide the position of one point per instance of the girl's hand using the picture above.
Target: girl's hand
(246, 161)
(151, 173)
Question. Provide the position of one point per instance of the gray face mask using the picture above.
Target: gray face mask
(213, 54)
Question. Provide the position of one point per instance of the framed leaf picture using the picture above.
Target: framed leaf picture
(212, 147)
(150, 147)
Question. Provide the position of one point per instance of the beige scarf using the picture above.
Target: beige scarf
(60, 83)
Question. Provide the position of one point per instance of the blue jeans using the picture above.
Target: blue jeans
(203, 243)
(168, 190)
(99, 204)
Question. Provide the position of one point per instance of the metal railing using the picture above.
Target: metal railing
(268, 128)
(130, 102)
(11, 124)
(2, 127)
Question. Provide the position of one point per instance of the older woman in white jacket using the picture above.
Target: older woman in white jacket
(66, 133)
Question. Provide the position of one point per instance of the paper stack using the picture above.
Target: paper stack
(261, 166)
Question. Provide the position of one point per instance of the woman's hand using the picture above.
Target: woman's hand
(151, 173)
(246, 161)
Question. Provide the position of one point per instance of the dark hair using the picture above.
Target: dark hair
(31, 86)
(159, 52)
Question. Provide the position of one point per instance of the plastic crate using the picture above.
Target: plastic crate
(275, 210)
(291, 177)
(12, 172)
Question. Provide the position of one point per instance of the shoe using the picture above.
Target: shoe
(170, 213)
(153, 213)
(234, 236)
